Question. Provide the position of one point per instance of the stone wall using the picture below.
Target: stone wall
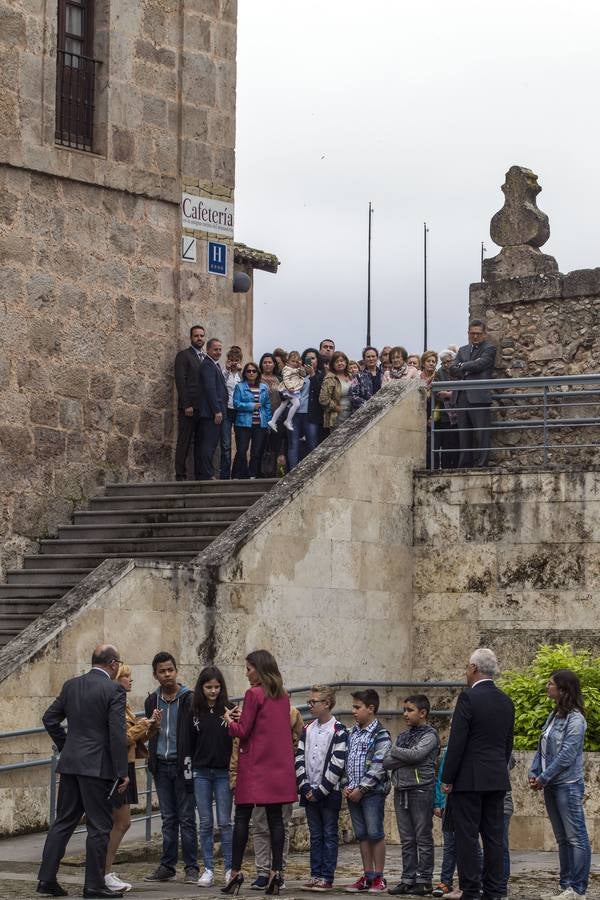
(319, 571)
(505, 560)
(94, 299)
(542, 324)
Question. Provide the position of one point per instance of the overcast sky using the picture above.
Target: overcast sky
(420, 108)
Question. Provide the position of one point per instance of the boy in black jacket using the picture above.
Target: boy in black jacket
(170, 770)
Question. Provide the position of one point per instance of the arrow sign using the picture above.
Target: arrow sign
(188, 249)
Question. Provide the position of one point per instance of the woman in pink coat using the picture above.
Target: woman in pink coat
(265, 775)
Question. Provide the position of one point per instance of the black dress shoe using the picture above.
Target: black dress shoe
(101, 892)
(51, 889)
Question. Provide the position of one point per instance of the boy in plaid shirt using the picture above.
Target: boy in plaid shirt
(366, 786)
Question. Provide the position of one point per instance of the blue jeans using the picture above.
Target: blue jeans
(322, 819)
(226, 426)
(564, 804)
(296, 448)
(449, 857)
(367, 817)
(212, 784)
(313, 434)
(177, 812)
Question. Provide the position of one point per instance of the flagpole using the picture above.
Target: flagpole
(369, 280)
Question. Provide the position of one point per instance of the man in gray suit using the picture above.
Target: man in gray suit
(475, 361)
(93, 762)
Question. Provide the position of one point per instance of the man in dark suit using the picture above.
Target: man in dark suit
(187, 381)
(213, 406)
(476, 776)
(475, 361)
(93, 756)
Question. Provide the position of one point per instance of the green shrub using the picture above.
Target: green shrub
(527, 689)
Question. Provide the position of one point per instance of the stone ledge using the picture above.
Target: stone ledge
(572, 286)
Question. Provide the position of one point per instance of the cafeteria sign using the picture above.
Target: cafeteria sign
(207, 214)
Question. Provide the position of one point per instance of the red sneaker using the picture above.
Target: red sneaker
(363, 884)
(378, 885)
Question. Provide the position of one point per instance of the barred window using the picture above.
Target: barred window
(75, 74)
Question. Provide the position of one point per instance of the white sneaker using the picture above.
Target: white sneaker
(288, 425)
(272, 425)
(568, 894)
(114, 883)
(207, 878)
(227, 876)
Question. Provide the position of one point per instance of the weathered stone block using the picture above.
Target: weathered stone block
(155, 111)
(199, 79)
(158, 56)
(70, 382)
(123, 145)
(197, 33)
(13, 29)
(102, 386)
(44, 410)
(48, 442)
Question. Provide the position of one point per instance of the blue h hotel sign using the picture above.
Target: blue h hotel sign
(217, 258)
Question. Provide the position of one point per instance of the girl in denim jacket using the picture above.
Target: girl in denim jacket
(557, 769)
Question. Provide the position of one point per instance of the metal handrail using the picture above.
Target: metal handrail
(550, 399)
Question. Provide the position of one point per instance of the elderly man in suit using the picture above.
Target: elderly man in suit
(474, 361)
(213, 406)
(187, 381)
(92, 764)
(476, 776)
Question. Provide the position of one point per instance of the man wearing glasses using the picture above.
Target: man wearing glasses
(92, 767)
(475, 361)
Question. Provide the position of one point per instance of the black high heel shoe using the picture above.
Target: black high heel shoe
(233, 887)
(274, 884)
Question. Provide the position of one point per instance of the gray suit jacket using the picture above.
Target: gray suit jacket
(480, 366)
(96, 742)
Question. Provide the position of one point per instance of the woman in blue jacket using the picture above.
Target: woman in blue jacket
(252, 412)
(557, 769)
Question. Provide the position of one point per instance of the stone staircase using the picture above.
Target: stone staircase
(172, 520)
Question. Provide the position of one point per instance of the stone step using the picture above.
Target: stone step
(125, 547)
(53, 577)
(88, 561)
(258, 485)
(16, 621)
(221, 514)
(174, 501)
(169, 530)
(22, 606)
(29, 591)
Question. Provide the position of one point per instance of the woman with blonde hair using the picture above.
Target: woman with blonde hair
(138, 731)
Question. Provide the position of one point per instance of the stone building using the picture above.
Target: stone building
(109, 111)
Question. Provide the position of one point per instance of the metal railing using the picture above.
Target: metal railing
(149, 790)
(75, 100)
(545, 420)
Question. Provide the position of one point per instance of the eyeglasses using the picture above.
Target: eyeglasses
(251, 371)
(312, 703)
(115, 660)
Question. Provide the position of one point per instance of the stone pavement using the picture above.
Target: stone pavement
(533, 873)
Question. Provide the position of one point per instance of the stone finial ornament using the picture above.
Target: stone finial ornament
(520, 228)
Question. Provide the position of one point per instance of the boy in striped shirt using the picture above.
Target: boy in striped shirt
(320, 760)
